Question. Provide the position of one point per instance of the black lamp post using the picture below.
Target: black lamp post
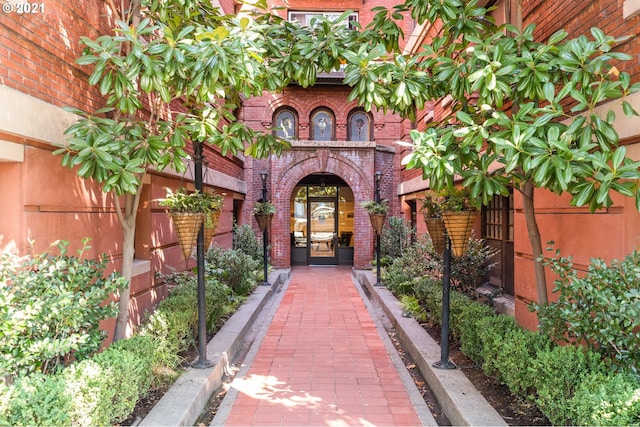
(444, 362)
(202, 361)
(263, 177)
(377, 176)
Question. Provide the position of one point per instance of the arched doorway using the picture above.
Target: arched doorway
(322, 221)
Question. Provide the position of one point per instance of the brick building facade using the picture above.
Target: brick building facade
(42, 201)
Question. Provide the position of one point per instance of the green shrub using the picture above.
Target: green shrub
(601, 309)
(51, 307)
(457, 304)
(106, 388)
(611, 399)
(395, 238)
(36, 400)
(234, 268)
(179, 310)
(470, 343)
(416, 261)
(428, 290)
(557, 373)
(245, 241)
(412, 307)
(493, 332)
(468, 271)
(512, 361)
(168, 332)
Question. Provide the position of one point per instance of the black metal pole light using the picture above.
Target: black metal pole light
(444, 362)
(377, 177)
(263, 177)
(202, 361)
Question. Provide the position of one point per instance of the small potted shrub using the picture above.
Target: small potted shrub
(377, 213)
(264, 212)
(188, 211)
(459, 212)
(432, 213)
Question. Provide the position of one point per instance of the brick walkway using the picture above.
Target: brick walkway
(322, 362)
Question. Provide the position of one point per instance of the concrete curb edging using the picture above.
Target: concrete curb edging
(185, 400)
(460, 400)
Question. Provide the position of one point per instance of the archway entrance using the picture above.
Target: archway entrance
(322, 221)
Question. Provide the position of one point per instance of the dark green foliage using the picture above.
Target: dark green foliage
(520, 346)
(416, 261)
(493, 332)
(395, 238)
(181, 307)
(557, 374)
(600, 309)
(232, 267)
(470, 342)
(51, 307)
(457, 304)
(428, 290)
(468, 271)
(245, 241)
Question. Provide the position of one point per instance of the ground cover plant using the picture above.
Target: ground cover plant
(102, 388)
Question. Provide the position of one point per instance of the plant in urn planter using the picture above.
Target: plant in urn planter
(459, 212)
(432, 213)
(377, 213)
(264, 212)
(188, 211)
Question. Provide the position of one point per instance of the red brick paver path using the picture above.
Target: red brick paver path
(322, 362)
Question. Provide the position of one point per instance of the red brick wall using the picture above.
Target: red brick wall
(48, 202)
(38, 51)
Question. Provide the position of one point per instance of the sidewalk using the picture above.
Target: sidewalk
(322, 361)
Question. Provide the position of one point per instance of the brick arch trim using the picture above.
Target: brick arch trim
(304, 109)
(355, 177)
(282, 102)
(360, 182)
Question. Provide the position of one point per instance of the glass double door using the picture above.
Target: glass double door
(323, 227)
(322, 223)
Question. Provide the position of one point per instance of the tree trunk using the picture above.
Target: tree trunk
(535, 240)
(128, 222)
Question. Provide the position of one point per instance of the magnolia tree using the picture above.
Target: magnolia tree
(177, 71)
(522, 112)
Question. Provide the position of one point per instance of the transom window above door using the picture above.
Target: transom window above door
(323, 125)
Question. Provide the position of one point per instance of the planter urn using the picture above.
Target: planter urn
(264, 220)
(377, 221)
(187, 227)
(436, 228)
(459, 226)
(210, 227)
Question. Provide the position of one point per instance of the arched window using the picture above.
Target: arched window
(323, 125)
(285, 124)
(359, 126)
